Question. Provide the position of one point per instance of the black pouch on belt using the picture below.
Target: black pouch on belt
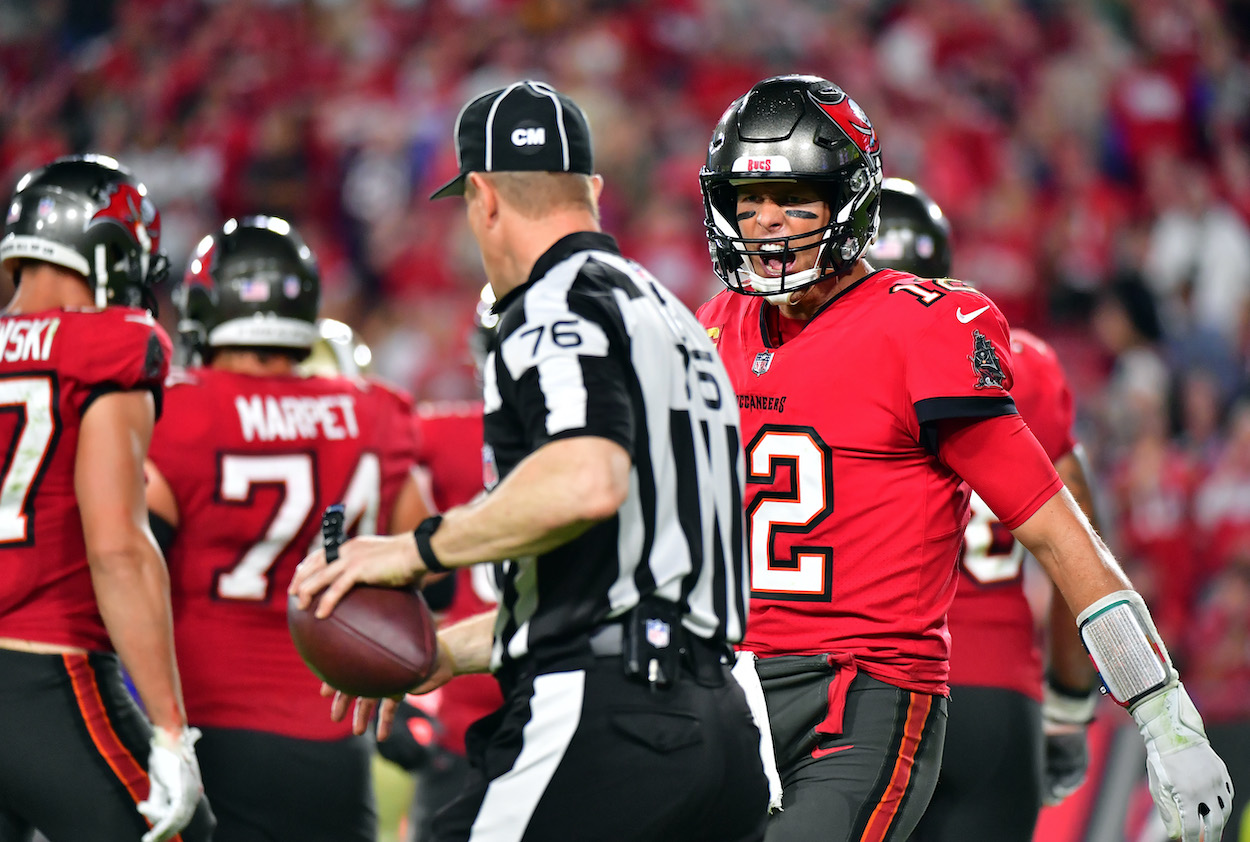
(653, 643)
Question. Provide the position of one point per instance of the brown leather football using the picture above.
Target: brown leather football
(377, 642)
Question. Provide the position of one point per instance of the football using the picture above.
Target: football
(377, 642)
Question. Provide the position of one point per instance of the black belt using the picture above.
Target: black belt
(607, 641)
(706, 659)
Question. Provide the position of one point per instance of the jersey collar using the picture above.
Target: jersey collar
(564, 247)
(766, 333)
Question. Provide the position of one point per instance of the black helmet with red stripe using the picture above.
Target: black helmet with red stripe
(88, 214)
(801, 128)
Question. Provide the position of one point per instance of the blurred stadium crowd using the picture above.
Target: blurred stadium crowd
(1093, 156)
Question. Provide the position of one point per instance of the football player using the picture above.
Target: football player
(871, 401)
(244, 462)
(994, 770)
(82, 583)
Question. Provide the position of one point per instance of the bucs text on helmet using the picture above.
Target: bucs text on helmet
(253, 284)
(803, 128)
(914, 236)
(89, 214)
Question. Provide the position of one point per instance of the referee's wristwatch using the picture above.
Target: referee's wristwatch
(422, 534)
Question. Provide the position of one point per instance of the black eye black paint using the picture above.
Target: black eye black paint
(795, 213)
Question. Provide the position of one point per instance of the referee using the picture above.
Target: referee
(614, 464)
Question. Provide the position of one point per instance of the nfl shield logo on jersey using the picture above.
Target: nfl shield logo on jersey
(762, 361)
(657, 633)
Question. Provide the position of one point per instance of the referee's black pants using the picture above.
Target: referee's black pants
(589, 754)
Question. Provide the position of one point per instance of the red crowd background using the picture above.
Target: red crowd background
(1092, 156)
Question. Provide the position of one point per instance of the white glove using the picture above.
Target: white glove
(176, 786)
(1188, 781)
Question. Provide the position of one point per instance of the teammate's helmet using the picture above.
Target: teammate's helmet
(253, 284)
(792, 127)
(339, 351)
(88, 214)
(915, 236)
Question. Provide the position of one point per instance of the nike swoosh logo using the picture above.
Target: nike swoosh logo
(965, 319)
(818, 753)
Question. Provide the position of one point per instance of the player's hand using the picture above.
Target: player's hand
(1188, 781)
(176, 786)
(1067, 759)
(1065, 720)
(389, 560)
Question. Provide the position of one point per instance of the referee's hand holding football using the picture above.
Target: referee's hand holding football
(463, 647)
(386, 560)
(446, 667)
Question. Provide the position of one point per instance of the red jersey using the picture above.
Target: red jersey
(253, 462)
(53, 364)
(449, 445)
(853, 526)
(991, 623)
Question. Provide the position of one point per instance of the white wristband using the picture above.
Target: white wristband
(1121, 637)
(1065, 709)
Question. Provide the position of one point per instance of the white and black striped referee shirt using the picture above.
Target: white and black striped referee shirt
(593, 345)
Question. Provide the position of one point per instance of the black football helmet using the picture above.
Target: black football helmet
(915, 236)
(88, 214)
(253, 284)
(792, 127)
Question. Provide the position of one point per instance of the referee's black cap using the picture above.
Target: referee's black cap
(523, 127)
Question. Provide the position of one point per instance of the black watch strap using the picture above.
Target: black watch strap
(422, 534)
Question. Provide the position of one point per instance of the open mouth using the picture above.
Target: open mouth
(775, 260)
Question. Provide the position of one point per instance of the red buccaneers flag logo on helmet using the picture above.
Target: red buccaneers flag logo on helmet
(852, 120)
(134, 212)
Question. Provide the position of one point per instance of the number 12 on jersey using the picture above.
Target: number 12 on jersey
(805, 573)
